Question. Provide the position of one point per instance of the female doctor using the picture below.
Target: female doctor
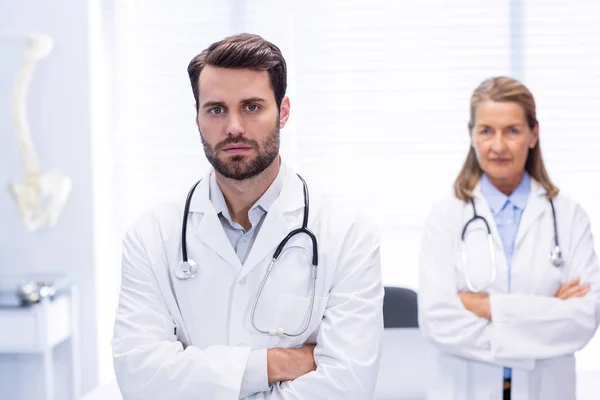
(509, 280)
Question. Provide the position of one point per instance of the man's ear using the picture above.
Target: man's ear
(284, 111)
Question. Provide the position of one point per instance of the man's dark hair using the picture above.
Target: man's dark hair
(242, 51)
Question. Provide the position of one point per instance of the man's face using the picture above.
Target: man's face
(239, 121)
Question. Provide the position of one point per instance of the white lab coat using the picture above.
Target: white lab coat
(531, 330)
(207, 356)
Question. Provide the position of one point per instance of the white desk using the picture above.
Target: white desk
(37, 330)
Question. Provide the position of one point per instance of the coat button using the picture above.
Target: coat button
(242, 281)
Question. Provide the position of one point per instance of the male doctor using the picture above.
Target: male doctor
(179, 335)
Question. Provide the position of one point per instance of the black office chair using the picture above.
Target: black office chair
(403, 371)
(400, 308)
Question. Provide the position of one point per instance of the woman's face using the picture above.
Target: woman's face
(502, 138)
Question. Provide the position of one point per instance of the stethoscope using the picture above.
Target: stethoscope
(188, 268)
(556, 257)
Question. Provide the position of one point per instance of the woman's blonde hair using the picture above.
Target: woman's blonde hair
(503, 89)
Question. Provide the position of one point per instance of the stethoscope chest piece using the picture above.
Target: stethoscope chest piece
(556, 257)
(186, 270)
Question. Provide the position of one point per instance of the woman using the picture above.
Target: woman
(505, 302)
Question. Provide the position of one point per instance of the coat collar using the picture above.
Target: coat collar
(536, 205)
(274, 229)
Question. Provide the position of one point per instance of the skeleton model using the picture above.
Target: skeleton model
(41, 198)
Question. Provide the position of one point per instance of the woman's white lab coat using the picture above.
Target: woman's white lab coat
(531, 331)
(192, 339)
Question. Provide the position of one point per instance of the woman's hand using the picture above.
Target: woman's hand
(477, 303)
(572, 289)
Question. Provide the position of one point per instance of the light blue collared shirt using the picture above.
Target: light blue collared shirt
(507, 212)
(255, 378)
(240, 239)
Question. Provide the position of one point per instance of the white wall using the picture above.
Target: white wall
(59, 115)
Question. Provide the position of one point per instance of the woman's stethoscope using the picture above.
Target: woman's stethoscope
(555, 255)
(188, 268)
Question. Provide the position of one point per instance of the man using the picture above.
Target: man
(238, 328)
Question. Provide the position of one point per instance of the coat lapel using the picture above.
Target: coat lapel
(483, 209)
(537, 205)
(279, 221)
(210, 230)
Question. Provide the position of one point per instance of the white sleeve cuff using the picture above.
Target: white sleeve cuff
(255, 376)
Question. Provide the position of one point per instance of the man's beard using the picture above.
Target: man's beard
(240, 167)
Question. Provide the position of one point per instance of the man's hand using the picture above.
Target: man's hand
(573, 288)
(289, 364)
(477, 303)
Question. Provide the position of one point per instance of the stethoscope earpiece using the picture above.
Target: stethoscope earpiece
(277, 332)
